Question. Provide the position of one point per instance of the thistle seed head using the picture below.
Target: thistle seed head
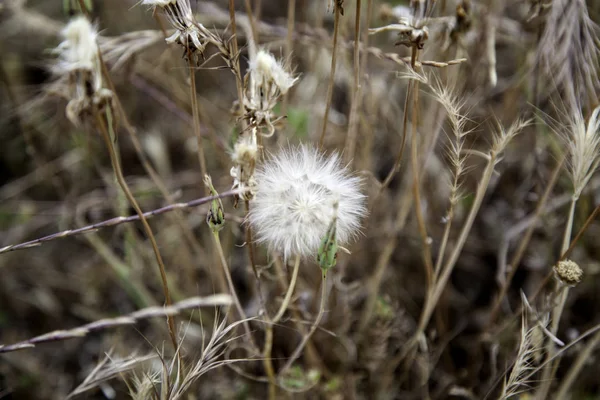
(296, 194)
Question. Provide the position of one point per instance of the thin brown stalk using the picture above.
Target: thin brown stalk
(580, 361)
(236, 60)
(425, 240)
(268, 364)
(124, 320)
(549, 371)
(289, 47)
(142, 156)
(356, 97)
(336, 28)
(435, 291)
(524, 242)
(251, 19)
(398, 160)
(298, 351)
(580, 233)
(116, 221)
(102, 127)
(232, 291)
(196, 115)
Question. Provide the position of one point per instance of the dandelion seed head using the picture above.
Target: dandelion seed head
(296, 191)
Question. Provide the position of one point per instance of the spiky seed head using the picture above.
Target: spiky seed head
(584, 148)
(296, 193)
(568, 272)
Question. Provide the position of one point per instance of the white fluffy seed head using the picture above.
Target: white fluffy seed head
(265, 68)
(296, 191)
(79, 50)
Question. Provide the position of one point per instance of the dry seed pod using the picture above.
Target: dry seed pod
(568, 272)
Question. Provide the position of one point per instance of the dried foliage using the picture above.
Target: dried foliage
(299, 199)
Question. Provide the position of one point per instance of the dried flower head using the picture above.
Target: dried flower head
(244, 156)
(78, 69)
(295, 201)
(568, 272)
(188, 33)
(267, 80)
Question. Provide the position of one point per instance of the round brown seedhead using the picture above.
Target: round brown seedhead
(568, 272)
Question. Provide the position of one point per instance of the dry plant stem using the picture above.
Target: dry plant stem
(121, 180)
(289, 47)
(435, 292)
(524, 242)
(236, 300)
(587, 223)
(426, 241)
(354, 117)
(336, 27)
(195, 114)
(550, 368)
(251, 19)
(124, 320)
(138, 148)
(298, 351)
(444, 243)
(398, 160)
(404, 206)
(236, 64)
(290, 291)
(269, 329)
(582, 358)
(135, 289)
(115, 221)
(250, 244)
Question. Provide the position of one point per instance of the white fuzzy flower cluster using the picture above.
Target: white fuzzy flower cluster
(297, 191)
(188, 33)
(267, 81)
(244, 156)
(78, 63)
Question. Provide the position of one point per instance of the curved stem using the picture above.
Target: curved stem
(550, 368)
(121, 180)
(336, 29)
(269, 331)
(290, 291)
(313, 328)
(195, 114)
